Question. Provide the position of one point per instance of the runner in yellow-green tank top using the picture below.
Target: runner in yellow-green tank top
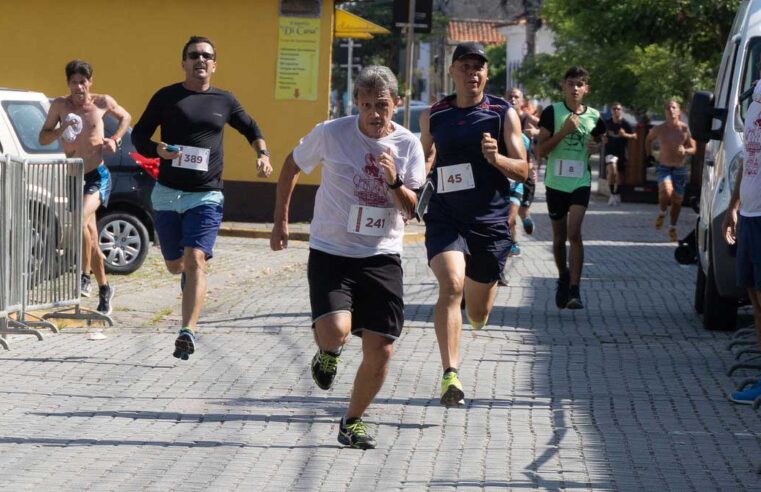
(568, 131)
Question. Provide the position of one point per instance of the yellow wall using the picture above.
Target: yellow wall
(135, 48)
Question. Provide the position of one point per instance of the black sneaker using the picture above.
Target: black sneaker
(561, 292)
(185, 344)
(324, 369)
(85, 286)
(574, 298)
(353, 433)
(106, 294)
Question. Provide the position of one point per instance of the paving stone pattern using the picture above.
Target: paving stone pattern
(627, 394)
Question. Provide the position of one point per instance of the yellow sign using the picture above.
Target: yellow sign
(297, 59)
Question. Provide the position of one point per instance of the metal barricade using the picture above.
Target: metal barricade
(5, 243)
(44, 222)
(12, 251)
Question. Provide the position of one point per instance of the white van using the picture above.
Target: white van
(717, 118)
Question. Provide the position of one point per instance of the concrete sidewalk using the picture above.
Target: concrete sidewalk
(627, 394)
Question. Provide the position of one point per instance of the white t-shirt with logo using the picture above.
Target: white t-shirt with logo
(750, 186)
(352, 195)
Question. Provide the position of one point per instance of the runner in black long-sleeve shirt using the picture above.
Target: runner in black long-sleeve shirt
(188, 197)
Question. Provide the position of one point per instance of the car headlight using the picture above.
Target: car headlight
(733, 168)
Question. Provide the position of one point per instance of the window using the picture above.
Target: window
(751, 72)
(27, 118)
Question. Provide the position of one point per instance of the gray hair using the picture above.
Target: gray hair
(376, 78)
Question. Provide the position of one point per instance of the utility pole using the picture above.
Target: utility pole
(410, 41)
(349, 75)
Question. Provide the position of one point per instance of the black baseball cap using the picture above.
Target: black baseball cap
(465, 49)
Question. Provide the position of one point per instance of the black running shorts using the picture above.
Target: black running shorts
(485, 246)
(559, 202)
(529, 187)
(369, 288)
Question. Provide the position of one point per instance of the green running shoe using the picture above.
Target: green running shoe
(185, 345)
(451, 391)
(353, 433)
(324, 369)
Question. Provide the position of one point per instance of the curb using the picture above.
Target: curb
(409, 237)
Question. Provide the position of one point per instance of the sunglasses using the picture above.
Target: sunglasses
(195, 55)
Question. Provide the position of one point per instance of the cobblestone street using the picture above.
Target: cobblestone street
(627, 394)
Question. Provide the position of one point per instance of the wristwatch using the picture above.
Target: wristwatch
(118, 142)
(396, 184)
(262, 152)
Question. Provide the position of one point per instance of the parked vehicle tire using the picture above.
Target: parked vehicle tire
(719, 313)
(43, 242)
(700, 290)
(123, 239)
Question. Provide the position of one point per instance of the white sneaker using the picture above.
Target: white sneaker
(612, 200)
(618, 199)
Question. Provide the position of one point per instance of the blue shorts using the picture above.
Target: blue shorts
(749, 252)
(677, 176)
(98, 181)
(485, 246)
(196, 228)
(516, 192)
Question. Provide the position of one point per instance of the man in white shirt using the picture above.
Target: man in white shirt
(370, 168)
(746, 232)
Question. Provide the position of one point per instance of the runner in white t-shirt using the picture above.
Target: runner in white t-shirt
(747, 198)
(370, 168)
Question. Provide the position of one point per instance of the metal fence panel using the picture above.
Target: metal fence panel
(52, 233)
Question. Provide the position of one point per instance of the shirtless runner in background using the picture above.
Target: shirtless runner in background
(77, 119)
(675, 142)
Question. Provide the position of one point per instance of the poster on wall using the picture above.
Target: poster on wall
(298, 59)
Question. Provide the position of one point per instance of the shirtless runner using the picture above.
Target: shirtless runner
(77, 119)
(676, 142)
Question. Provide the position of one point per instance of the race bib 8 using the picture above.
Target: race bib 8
(455, 178)
(565, 168)
(370, 221)
(194, 158)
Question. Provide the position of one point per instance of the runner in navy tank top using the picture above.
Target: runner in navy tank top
(457, 134)
(473, 143)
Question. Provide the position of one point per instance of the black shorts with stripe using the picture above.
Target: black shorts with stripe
(370, 289)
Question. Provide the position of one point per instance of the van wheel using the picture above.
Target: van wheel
(700, 290)
(719, 313)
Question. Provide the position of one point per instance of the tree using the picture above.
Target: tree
(638, 52)
(497, 68)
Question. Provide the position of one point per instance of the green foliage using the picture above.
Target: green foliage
(497, 68)
(638, 52)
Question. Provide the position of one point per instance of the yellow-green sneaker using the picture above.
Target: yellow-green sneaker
(451, 391)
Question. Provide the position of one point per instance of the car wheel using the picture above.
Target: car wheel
(719, 313)
(700, 290)
(123, 239)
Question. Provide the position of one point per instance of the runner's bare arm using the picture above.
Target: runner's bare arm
(651, 136)
(404, 198)
(124, 118)
(429, 149)
(49, 132)
(547, 142)
(514, 165)
(729, 224)
(289, 175)
(689, 145)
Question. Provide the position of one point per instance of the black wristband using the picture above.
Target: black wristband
(396, 184)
